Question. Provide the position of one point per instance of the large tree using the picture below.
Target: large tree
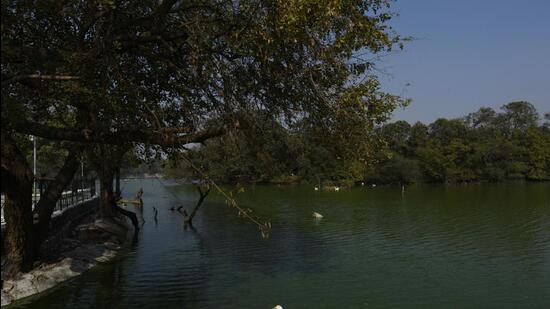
(169, 73)
(26, 229)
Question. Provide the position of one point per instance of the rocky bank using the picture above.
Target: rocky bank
(91, 243)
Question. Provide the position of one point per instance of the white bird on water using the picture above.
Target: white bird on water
(317, 215)
(316, 188)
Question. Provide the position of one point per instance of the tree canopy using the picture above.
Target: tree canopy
(482, 146)
(120, 74)
(176, 72)
(485, 145)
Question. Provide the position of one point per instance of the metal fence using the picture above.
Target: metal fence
(78, 191)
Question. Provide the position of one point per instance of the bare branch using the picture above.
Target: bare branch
(167, 137)
(23, 77)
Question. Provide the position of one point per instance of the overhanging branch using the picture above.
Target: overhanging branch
(166, 137)
(23, 77)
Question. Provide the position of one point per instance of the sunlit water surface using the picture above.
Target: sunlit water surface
(483, 246)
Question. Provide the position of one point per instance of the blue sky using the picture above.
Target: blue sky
(467, 54)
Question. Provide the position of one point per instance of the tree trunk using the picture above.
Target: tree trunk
(20, 252)
(131, 215)
(106, 161)
(117, 182)
(46, 205)
(17, 187)
(107, 196)
(203, 195)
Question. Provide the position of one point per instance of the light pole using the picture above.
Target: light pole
(33, 139)
(82, 185)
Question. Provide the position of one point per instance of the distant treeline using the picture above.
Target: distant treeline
(483, 146)
(513, 144)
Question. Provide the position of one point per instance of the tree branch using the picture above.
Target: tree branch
(167, 137)
(203, 195)
(23, 77)
(49, 198)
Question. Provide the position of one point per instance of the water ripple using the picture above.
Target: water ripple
(467, 246)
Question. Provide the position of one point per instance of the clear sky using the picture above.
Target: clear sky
(467, 54)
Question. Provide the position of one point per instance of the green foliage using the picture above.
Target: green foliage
(483, 146)
(265, 151)
(303, 69)
(398, 169)
(148, 65)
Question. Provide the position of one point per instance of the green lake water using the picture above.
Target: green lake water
(475, 246)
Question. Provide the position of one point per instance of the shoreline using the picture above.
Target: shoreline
(90, 244)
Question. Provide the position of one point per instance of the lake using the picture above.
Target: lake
(482, 246)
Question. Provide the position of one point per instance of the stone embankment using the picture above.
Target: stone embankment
(89, 244)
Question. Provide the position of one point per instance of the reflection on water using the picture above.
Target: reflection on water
(463, 246)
